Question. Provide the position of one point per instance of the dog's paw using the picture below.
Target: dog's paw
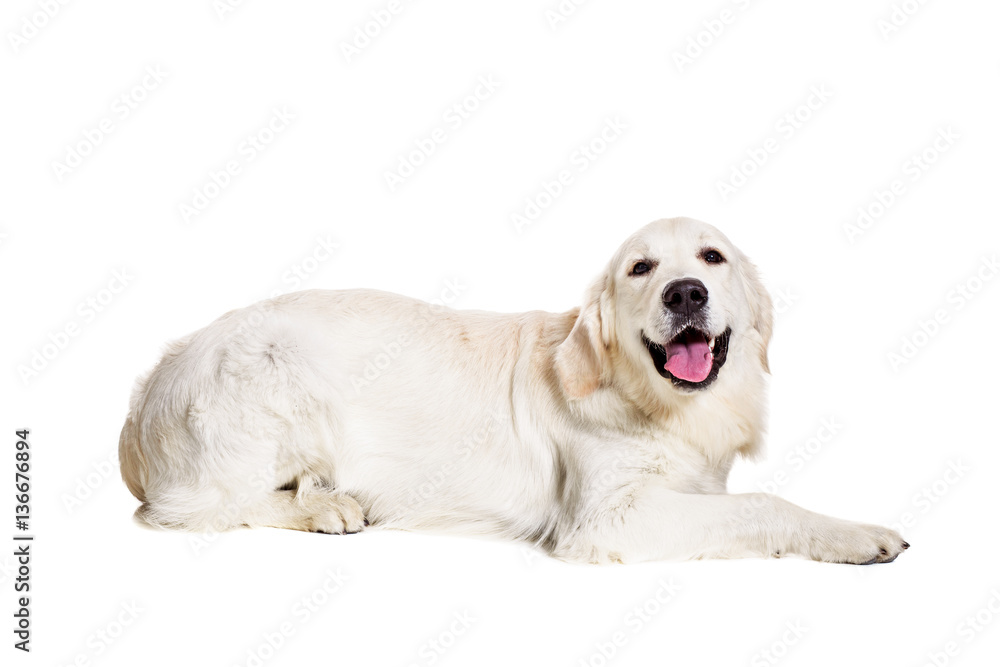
(335, 514)
(855, 543)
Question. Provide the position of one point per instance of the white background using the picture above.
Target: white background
(846, 303)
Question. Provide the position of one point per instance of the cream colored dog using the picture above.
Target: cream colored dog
(603, 434)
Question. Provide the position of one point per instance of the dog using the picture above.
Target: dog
(603, 434)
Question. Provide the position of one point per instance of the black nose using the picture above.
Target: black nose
(685, 297)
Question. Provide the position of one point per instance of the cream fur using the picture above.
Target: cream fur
(320, 410)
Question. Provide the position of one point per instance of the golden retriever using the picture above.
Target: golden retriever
(603, 434)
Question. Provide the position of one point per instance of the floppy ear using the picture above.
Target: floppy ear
(581, 358)
(761, 308)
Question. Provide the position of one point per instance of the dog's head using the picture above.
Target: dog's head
(678, 308)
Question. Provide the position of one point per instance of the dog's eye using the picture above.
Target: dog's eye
(712, 256)
(639, 268)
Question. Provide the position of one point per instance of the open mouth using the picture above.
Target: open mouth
(692, 358)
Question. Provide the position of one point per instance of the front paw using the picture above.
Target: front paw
(854, 543)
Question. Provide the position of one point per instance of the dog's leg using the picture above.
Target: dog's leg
(659, 523)
(309, 508)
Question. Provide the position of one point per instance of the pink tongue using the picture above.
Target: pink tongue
(690, 361)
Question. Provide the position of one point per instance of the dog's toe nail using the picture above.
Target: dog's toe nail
(366, 522)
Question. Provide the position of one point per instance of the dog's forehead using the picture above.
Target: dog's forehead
(675, 235)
